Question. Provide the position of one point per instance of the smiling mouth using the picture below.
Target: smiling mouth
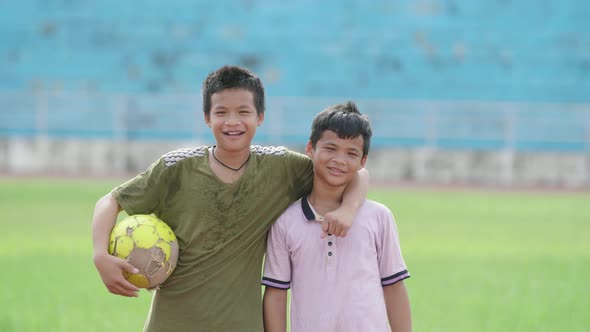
(233, 133)
(336, 170)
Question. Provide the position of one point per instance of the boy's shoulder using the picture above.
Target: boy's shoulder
(260, 150)
(175, 156)
(375, 205)
(294, 210)
(375, 208)
(172, 157)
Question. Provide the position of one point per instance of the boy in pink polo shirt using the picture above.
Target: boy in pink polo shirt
(337, 284)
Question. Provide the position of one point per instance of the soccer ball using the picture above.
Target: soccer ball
(147, 243)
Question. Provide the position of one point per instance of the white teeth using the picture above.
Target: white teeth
(233, 133)
(335, 170)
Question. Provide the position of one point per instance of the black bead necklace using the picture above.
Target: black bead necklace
(224, 165)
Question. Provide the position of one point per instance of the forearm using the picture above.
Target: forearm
(398, 307)
(105, 216)
(275, 310)
(110, 268)
(356, 191)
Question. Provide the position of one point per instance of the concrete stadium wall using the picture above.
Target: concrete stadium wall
(387, 166)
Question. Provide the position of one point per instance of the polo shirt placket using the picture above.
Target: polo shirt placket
(330, 248)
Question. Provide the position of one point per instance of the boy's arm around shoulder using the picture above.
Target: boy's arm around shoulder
(109, 267)
(274, 305)
(397, 303)
(339, 221)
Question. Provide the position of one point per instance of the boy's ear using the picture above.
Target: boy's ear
(207, 119)
(363, 161)
(309, 149)
(260, 118)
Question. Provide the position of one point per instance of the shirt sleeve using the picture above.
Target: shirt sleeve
(277, 262)
(142, 194)
(300, 171)
(391, 262)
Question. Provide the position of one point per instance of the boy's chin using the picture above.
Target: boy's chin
(337, 183)
(231, 143)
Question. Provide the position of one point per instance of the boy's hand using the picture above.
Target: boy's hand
(337, 222)
(111, 270)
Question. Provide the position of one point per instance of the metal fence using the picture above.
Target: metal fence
(472, 125)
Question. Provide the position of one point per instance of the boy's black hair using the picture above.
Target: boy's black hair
(232, 77)
(346, 121)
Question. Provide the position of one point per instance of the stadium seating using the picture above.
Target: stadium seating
(524, 53)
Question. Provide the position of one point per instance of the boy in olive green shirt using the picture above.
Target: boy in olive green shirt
(220, 201)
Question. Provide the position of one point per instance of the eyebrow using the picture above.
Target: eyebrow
(331, 144)
(241, 107)
(355, 150)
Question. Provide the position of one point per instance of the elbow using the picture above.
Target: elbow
(108, 202)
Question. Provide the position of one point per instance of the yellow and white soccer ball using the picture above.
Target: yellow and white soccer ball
(147, 243)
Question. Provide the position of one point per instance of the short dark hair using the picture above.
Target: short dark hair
(232, 77)
(346, 121)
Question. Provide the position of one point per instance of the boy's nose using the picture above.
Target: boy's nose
(232, 120)
(340, 158)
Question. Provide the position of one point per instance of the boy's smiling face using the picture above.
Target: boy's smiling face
(336, 160)
(233, 119)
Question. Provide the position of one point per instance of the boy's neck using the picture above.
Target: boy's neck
(325, 199)
(228, 166)
(232, 158)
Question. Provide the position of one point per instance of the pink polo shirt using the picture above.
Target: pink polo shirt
(336, 283)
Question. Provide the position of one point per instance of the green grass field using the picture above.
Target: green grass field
(480, 261)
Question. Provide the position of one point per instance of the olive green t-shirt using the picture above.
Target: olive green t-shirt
(221, 229)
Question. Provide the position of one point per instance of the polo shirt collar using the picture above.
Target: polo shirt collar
(308, 210)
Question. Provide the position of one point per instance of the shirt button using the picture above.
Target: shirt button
(330, 243)
(329, 253)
